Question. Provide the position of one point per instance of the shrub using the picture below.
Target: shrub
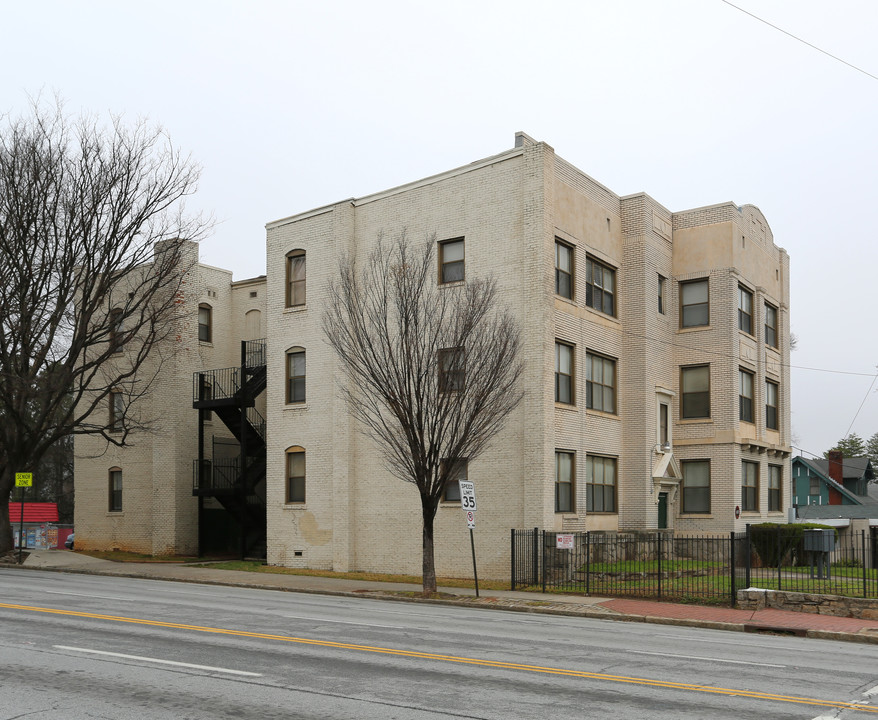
(776, 545)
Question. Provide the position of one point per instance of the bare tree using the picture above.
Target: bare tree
(92, 233)
(431, 371)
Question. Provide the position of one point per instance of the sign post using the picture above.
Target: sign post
(22, 480)
(468, 503)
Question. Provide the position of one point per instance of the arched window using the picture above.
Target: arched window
(295, 278)
(296, 375)
(295, 474)
(205, 323)
(253, 325)
(115, 490)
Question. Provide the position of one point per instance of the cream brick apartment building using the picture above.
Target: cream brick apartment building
(140, 497)
(656, 382)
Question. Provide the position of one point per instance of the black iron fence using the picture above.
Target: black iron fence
(707, 568)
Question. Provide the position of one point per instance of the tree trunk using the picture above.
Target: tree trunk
(429, 568)
(6, 543)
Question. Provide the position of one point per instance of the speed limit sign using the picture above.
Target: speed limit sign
(467, 495)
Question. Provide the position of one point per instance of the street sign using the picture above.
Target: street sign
(470, 519)
(467, 495)
(564, 542)
(24, 479)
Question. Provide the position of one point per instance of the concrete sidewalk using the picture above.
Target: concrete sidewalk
(630, 609)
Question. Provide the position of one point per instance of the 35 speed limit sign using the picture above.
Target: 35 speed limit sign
(467, 495)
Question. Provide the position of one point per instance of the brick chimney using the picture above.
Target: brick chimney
(835, 466)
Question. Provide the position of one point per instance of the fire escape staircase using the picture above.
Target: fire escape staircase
(234, 476)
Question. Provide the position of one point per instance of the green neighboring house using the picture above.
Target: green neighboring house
(821, 486)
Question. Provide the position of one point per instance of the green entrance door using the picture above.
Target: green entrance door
(663, 511)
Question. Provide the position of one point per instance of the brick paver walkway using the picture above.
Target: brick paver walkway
(769, 618)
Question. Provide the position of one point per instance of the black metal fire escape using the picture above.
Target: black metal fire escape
(234, 473)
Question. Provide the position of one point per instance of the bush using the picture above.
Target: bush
(777, 545)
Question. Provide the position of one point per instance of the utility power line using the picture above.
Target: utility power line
(804, 42)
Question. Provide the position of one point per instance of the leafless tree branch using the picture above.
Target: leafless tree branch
(431, 371)
(92, 231)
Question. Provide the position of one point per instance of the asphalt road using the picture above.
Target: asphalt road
(76, 646)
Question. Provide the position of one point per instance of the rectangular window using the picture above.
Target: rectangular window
(694, 304)
(564, 482)
(745, 397)
(814, 485)
(295, 294)
(601, 484)
(770, 325)
(771, 399)
(600, 287)
(451, 261)
(296, 476)
(664, 434)
(451, 492)
(117, 411)
(563, 373)
(452, 370)
(749, 486)
(600, 383)
(204, 323)
(775, 473)
(695, 392)
(745, 310)
(115, 494)
(296, 376)
(563, 270)
(696, 486)
(661, 294)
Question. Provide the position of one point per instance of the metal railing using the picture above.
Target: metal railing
(221, 384)
(707, 568)
(253, 353)
(223, 475)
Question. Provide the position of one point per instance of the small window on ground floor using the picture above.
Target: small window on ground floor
(115, 490)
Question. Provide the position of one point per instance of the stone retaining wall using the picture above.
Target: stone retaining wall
(837, 605)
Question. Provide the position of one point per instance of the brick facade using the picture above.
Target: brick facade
(510, 209)
(159, 514)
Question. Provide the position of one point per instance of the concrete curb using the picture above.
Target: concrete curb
(496, 603)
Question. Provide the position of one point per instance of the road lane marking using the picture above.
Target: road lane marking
(347, 622)
(495, 664)
(711, 659)
(88, 595)
(741, 644)
(158, 661)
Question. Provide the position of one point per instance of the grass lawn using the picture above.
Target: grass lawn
(256, 566)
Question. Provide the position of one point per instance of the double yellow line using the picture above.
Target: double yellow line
(861, 707)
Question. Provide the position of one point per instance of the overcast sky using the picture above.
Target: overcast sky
(293, 105)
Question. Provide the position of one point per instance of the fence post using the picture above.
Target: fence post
(749, 551)
(588, 563)
(863, 557)
(512, 573)
(734, 572)
(536, 557)
(543, 543)
(659, 539)
(779, 558)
